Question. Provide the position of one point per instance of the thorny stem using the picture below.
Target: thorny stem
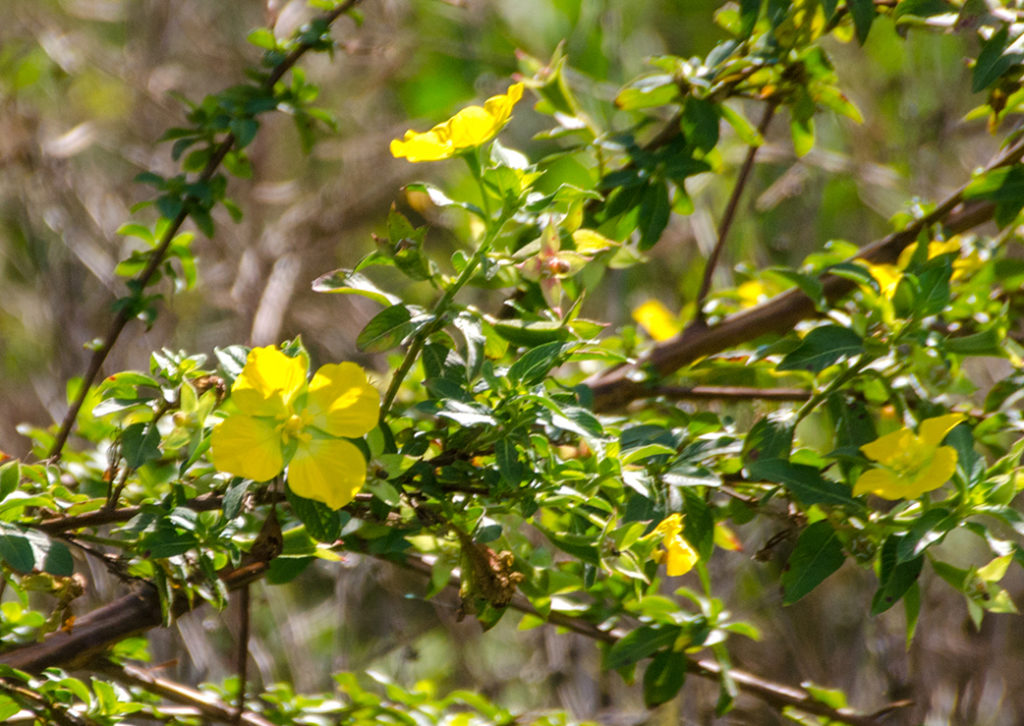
(438, 313)
(160, 253)
(729, 215)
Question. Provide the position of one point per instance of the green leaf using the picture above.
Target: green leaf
(930, 528)
(467, 414)
(922, 8)
(895, 577)
(805, 482)
(699, 523)
(810, 285)
(817, 555)
(746, 131)
(768, 439)
(387, 329)
(986, 343)
(521, 332)
(322, 523)
(507, 457)
(700, 123)
(10, 477)
(535, 364)
(639, 644)
(993, 61)
(863, 12)
(647, 92)
(822, 347)
(140, 443)
(664, 677)
(654, 213)
(347, 282)
(912, 610)
(16, 550)
(262, 38)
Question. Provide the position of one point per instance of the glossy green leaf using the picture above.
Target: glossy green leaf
(818, 553)
(664, 677)
(639, 644)
(822, 347)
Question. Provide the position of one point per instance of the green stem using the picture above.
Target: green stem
(814, 401)
(438, 313)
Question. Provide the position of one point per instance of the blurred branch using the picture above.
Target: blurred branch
(617, 387)
(730, 214)
(203, 704)
(159, 255)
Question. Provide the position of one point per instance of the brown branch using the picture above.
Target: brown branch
(202, 503)
(139, 611)
(128, 615)
(743, 393)
(777, 695)
(242, 666)
(617, 387)
(729, 215)
(204, 704)
(160, 253)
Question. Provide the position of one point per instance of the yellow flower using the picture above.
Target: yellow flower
(470, 127)
(889, 276)
(657, 320)
(910, 464)
(283, 420)
(679, 556)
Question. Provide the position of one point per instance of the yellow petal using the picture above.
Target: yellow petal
(887, 448)
(937, 248)
(269, 383)
(888, 278)
(656, 319)
(880, 482)
(341, 402)
(428, 146)
(473, 126)
(934, 430)
(671, 526)
(247, 447)
(680, 558)
(470, 127)
(328, 470)
(939, 470)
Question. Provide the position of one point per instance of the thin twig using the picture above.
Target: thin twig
(160, 253)
(242, 665)
(729, 215)
(206, 705)
(777, 695)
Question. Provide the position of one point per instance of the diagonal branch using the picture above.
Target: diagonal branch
(729, 215)
(159, 255)
(777, 695)
(140, 611)
(618, 386)
(206, 705)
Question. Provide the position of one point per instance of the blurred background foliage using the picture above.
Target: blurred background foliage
(87, 86)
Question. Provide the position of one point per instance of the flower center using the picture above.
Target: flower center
(911, 459)
(294, 428)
